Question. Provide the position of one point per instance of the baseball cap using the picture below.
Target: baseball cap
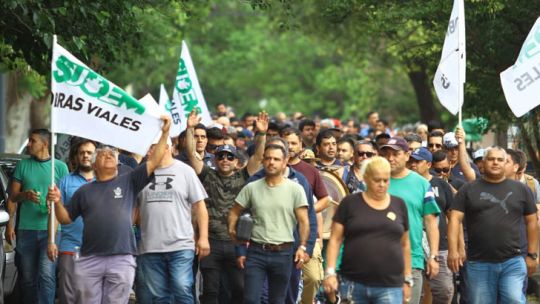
(397, 143)
(449, 140)
(226, 148)
(479, 153)
(422, 154)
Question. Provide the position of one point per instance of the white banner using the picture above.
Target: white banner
(187, 95)
(520, 81)
(88, 105)
(450, 74)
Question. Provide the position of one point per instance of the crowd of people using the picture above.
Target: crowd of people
(234, 212)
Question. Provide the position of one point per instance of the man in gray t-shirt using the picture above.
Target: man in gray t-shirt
(168, 245)
(106, 269)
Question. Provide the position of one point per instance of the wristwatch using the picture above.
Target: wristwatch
(433, 257)
(532, 255)
(409, 280)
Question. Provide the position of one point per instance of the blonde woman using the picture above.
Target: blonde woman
(376, 265)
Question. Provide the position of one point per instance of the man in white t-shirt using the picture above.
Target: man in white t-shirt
(168, 247)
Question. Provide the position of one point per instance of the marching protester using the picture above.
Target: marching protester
(494, 206)
(422, 211)
(312, 272)
(35, 252)
(105, 269)
(381, 271)
(222, 186)
(441, 285)
(71, 240)
(276, 204)
(295, 277)
(167, 206)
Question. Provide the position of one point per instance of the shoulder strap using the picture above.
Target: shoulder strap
(530, 183)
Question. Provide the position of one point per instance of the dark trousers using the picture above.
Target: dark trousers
(221, 262)
(274, 266)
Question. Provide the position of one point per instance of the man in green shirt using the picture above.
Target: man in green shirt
(276, 204)
(421, 207)
(35, 251)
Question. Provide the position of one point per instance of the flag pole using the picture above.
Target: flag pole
(462, 58)
(52, 215)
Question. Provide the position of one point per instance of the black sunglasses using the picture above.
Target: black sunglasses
(441, 170)
(228, 156)
(365, 153)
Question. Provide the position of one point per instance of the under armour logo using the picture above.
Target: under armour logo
(167, 182)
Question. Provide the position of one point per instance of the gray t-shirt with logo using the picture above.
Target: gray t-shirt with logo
(165, 209)
(106, 208)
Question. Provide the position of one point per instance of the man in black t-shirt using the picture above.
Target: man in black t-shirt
(495, 208)
(442, 286)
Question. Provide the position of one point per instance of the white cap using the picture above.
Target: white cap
(449, 140)
(479, 153)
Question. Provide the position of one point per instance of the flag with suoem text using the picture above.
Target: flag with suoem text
(187, 95)
(450, 74)
(520, 82)
(88, 105)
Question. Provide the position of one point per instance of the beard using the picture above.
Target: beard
(85, 168)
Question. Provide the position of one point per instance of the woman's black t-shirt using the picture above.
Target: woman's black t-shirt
(372, 253)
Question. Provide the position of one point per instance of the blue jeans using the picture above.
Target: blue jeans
(169, 275)
(37, 272)
(496, 282)
(261, 264)
(359, 293)
(142, 292)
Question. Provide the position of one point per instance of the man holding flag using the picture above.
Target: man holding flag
(106, 268)
(31, 179)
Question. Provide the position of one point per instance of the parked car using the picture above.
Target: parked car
(9, 285)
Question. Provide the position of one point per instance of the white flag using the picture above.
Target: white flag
(163, 97)
(187, 95)
(450, 75)
(520, 81)
(88, 105)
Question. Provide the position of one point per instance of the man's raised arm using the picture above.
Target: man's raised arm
(161, 146)
(261, 126)
(194, 159)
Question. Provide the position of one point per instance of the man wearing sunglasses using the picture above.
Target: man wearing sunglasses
(223, 185)
(435, 141)
(353, 179)
(442, 285)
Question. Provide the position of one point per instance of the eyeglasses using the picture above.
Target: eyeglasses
(228, 156)
(365, 153)
(438, 146)
(441, 170)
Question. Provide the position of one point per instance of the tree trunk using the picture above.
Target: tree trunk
(424, 98)
(23, 113)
